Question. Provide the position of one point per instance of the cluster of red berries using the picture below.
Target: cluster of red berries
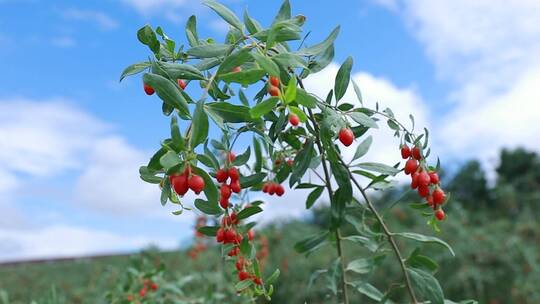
(147, 285)
(426, 182)
(273, 86)
(289, 162)
(226, 190)
(243, 273)
(182, 183)
(149, 90)
(227, 233)
(346, 136)
(273, 188)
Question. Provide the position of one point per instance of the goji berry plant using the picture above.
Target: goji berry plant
(250, 86)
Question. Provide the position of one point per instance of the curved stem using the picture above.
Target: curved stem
(388, 234)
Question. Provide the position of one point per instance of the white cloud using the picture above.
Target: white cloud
(42, 140)
(488, 51)
(110, 181)
(68, 241)
(488, 41)
(40, 137)
(103, 20)
(63, 42)
(149, 6)
(173, 10)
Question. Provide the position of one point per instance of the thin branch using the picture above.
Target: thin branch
(388, 234)
(330, 194)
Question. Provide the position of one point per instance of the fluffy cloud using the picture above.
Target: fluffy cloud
(69, 241)
(44, 140)
(104, 21)
(40, 137)
(488, 51)
(173, 10)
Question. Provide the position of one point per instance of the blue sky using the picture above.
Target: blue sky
(72, 136)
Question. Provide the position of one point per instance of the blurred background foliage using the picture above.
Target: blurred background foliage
(492, 226)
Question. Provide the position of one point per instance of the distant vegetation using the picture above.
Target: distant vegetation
(494, 231)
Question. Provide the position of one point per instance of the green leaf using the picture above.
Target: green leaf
(234, 60)
(363, 148)
(393, 125)
(321, 47)
(207, 161)
(370, 244)
(363, 119)
(264, 107)
(208, 230)
(168, 92)
(248, 181)
(147, 36)
(165, 192)
(357, 91)
(210, 189)
(266, 63)
(305, 99)
(166, 109)
(303, 117)
(290, 92)
(361, 266)
(251, 24)
(421, 261)
(229, 112)
(258, 155)
(225, 13)
(289, 60)
(249, 211)
(242, 158)
(426, 286)
(313, 196)
(207, 64)
(210, 208)
(154, 163)
(244, 77)
(425, 239)
(321, 61)
(199, 130)
(284, 12)
(148, 176)
(243, 285)
(191, 31)
(311, 243)
(169, 160)
(378, 167)
(134, 69)
(343, 78)
(282, 31)
(181, 71)
(209, 50)
(245, 247)
(273, 277)
(176, 136)
(301, 163)
(368, 290)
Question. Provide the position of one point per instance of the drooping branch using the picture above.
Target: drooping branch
(388, 234)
